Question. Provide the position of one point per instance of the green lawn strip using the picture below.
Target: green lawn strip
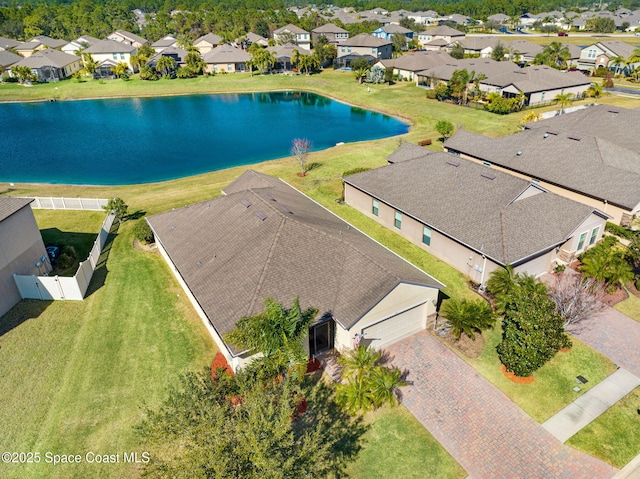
(77, 374)
(397, 445)
(552, 388)
(613, 437)
(630, 307)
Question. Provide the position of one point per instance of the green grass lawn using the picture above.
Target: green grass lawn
(552, 388)
(615, 436)
(397, 446)
(630, 307)
(75, 375)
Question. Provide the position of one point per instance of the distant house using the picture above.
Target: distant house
(480, 46)
(524, 51)
(408, 66)
(225, 58)
(8, 43)
(7, 59)
(255, 38)
(22, 250)
(388, 32)
(165, 42)
(178, 54)
(333, 33)
(499, 18)
(302, 37)
(474, 218)
(479, 66)
(444, 34)
(364, 45)
(79, 44)
(266, 239)
(284, 56)
(583, 158)
(457, 19)
(538, 83)
(208, 42)
(424, 18)
(26, 49)
(128, 38)
(601, 54)
(111, 52)
(51, 65)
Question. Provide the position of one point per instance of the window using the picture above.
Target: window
(229, 67)
(122, 56)
(583, 236)
(115, 56)
(397, 222)
(426, 236)
(344, 49)
(373, 51)
(375, 208)
(594, 235)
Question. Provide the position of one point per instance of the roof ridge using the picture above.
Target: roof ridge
(503, 234)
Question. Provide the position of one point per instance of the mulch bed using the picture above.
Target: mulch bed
(313, 365)
(613, 298)
(517, 379)
(471, 348)
(220, 362)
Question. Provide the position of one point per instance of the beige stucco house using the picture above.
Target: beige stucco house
(21, 248)
(302, 37)
(265, 239)
(474, 218)
(51, 65)
(226, 59)
(112, 52)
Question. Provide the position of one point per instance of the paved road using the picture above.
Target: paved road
(489, 436)
(625, 91)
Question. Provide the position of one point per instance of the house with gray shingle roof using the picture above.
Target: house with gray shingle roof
(302, 37)
(366, 45)
(594, 170)
(474, 218)
(22, 250)
(129, 38)
(7, 59)
(444, 72)
(333, 33)
(8, 43)
(255, 38)
(443, 33)
(601, 54)
(538, 83)
(264, 239)
(51, 65)
(225, 58)
(112, 52)
(208, 42)
(388, 32)
(407, 66)
(165, 42)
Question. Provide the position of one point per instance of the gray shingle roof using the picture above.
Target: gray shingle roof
(537, 78)
(443, 31)
(289, 28)
(422, 60)
(578, 162)
(619, 48)
(450, 195)
(110, 46)
(286, 51)
(231, 258)
(10, 205)
(8, 43)
(45, 58)
(8, 58)
(602, 121)
(49, 42)
(407, 151)
(487, 66)
(210, 38)
(365, 40)
(480, 43)
(392, 28)
(132, 37)
(226, 54)
(329, 28)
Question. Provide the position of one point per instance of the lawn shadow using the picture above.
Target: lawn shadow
(23, 311)
(313, 166)
(101, 271)
(136, 215)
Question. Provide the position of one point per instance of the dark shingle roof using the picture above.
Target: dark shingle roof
(537, 78)
(45, 58)
(451, 195)
(226, 54)
(365, 40)
(266, 239)
(407, 151)
(8, 58)
(443, 31)
(329, 28)
(593, 166)
(110, 46)
(10, 205)
(422, 60)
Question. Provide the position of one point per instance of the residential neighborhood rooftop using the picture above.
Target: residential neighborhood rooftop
(11, 204)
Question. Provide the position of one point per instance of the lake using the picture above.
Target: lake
(143, 140)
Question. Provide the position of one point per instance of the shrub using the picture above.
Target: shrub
(142, 232)
(468, 317)
(67, 258)
(431, 94)
(620, 231)
(353, 171)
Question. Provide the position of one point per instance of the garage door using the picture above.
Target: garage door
(395, 328)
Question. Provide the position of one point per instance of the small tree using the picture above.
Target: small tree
(576, 299)
(468, 317)
(445, 128)
(118, 207)
(300, 148)
(142, 231)
(121, 70)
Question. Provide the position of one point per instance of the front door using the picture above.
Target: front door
(321, 337)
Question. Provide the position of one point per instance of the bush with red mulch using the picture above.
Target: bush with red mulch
(517, 379)
(313, 365)
(220, 362)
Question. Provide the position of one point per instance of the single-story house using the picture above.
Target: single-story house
(264, 238)
(22, 250)
(538, 83)
(165, 42)
(51, 65)
(499, 18)
(302, 37)
(127, 37)
(601, 54)
(480, 66)
(523, 51)
(593, 170)
(255, 38)
(26, 49)
(407, 66)
(333, 33)
(424, 18)
(178, 54)
(8, 43)
(480, 46)
(365, 44)
(208, 42)
(113, 51)
(225, 58)
(474, 218)
(444, 34)
(7, 59)
(457, 19)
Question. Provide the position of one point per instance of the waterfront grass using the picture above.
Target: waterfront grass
(76, 374)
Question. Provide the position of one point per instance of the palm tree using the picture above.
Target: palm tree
(563, 100)
(23, 73)
(277, 333)
(166, 65)
(354, 396)
(120, 70)
(468, 316)
(90, 65)
(357, 361)
(557, 55)
(635, 74)
(295, 57)
(616, 62)
(596, 90)
(502, 281)
(608, 266)
(384, 384)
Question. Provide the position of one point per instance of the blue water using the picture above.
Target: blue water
(143, 140)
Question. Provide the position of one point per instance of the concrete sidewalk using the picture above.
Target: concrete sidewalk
(591, 404)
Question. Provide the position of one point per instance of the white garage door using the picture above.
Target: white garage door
(395, 328)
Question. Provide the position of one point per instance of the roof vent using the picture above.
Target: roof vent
(614, 111)
(261, 215)
(519, 153)
(453, 163)
(269, 197)
(488, 176)
(246, 203)
(546, 135)
(552, 132)
(575, 138)
(284, 209)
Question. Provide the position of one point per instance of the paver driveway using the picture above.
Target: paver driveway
(482, 429)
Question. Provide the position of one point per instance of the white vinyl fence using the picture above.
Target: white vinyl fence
(53, 203)
(61, 287)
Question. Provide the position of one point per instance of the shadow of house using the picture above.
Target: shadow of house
(23, 311)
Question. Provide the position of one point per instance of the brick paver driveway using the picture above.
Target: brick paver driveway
(616, 336)
(482, 429)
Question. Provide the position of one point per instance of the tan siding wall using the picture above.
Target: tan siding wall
(614, 211)
(21, 246)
